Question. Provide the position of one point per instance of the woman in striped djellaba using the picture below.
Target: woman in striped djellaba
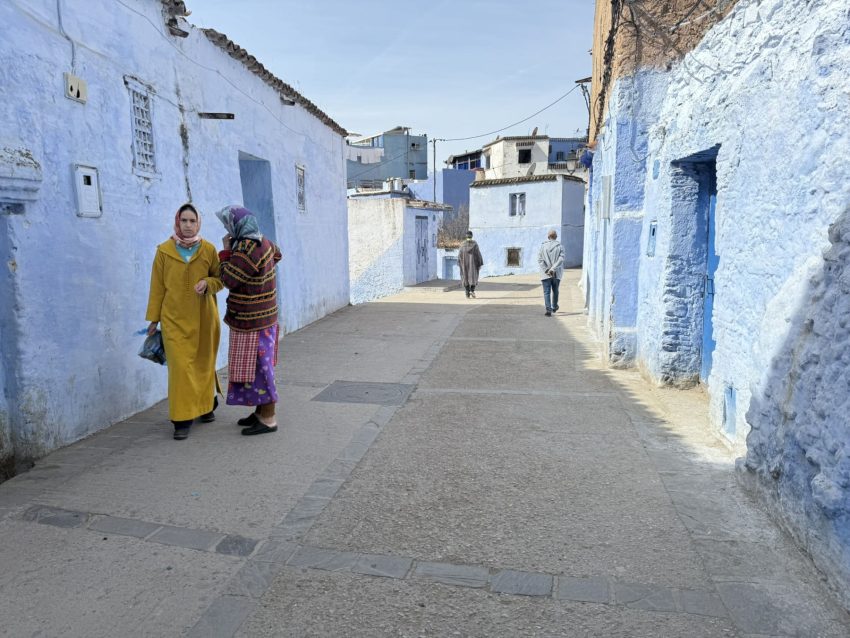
(248, 264)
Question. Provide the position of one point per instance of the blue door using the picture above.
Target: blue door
(708, 342)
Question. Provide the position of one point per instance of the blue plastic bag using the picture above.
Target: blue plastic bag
(153, 349)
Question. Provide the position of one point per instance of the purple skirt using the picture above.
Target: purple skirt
(262, 390)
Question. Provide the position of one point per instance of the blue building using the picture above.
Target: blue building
(394, 153)
(717, 237)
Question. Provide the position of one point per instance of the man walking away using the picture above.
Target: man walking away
(551, 261)
(470, 261)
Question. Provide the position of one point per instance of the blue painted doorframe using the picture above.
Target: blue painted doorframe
(711, 262)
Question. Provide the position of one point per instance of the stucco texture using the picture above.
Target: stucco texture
(80, 284)
(760, 106)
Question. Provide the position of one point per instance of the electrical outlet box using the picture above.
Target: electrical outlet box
(87, 186)
(76, 88)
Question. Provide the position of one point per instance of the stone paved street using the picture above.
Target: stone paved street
(444, 467)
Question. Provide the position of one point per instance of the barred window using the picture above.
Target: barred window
(300, 188)
(144, 157)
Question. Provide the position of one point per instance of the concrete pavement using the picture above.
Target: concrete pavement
(443, 467)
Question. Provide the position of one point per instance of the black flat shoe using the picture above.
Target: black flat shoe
(259, 428)
(209, 417)
(248, 420)
(181, 434)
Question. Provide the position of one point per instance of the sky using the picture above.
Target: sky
(445, 68)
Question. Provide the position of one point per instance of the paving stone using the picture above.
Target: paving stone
(324, 487)
(291, 530)
(646, 597)
(584, 590)
(307, 508)
(11, 496)
(223, 617)
(367, 435)
(275, 551)
(380, 565)
(703, 603)
(234, 545)
(325, 559)
(185, 537)
(253, 579)
(757, 609)
(510, 581)
(384, 415)
(448, 574)
(55, 516)
(123, 526)
(338, 469)
(354, 451)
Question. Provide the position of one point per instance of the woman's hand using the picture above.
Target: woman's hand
(226, 241)
(152, 328)
(201, 286)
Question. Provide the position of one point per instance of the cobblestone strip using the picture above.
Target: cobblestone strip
(265, 560)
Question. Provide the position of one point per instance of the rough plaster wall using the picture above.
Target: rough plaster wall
(82, 306)
(799, 445)
(769, 86)
(376, 240)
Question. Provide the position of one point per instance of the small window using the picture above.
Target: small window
(300, 188)
(650, 242)
(513, 257)
(411, 174)
(524, 156)
(476, 163)
(517, 204)
(559, 156)
(144, 159)
(359, 159)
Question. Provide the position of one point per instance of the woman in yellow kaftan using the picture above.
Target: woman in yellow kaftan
(184, 282)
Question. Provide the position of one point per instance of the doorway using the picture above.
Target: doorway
(421, 249)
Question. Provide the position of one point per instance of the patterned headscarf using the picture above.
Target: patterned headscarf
(178, 236)
(240, 223)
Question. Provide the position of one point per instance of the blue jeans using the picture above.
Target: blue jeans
(550, 286)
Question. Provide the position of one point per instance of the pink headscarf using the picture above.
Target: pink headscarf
(186, 242)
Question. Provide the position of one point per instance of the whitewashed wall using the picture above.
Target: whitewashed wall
(80, 285)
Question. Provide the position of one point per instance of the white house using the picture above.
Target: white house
(392, 241)
(113, 114)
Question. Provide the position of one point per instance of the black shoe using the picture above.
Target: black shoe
(555, 309)
(209, 417)
(259, 428)
(249, 420)
(467, 294)
(548, 313)
(181, 433)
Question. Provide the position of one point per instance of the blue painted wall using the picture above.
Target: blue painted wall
(81, 284)
(764, 94)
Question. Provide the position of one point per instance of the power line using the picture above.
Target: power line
(473, 137)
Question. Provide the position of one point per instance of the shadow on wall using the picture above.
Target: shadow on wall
(798, 455)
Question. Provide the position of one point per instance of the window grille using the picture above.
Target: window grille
(144, 152)
(517, 204)
(300, 189)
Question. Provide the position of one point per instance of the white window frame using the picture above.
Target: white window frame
(301, 188)
(141, 126)
(516, 204)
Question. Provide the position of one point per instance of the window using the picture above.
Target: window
(559, 156)
(476, 163)
(524, 156)
(411, 174)
(300, 189)
(517, 204)
(650, 242)
(144, 158)
(513, 257)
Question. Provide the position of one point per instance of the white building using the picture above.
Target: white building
(392, 241)
(113, 114)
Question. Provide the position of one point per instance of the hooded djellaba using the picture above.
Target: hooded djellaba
(248, 270)
(184, 282)
(470, 261)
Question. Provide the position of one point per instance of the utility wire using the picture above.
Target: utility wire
(473, 137)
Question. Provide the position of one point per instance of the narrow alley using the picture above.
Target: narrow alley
(443, 467)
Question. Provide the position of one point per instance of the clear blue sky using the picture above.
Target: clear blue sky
(447, 68)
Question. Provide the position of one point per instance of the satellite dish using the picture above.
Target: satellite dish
(534, 132)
